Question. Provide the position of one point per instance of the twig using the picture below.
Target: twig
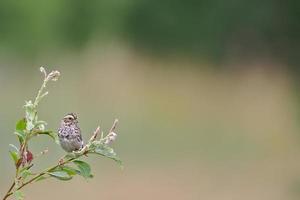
(82, 152)
(114, 125)
(94, 136)
(9, 191)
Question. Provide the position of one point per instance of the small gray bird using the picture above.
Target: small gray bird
(70, 134)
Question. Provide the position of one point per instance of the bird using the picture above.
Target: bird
(69, 133)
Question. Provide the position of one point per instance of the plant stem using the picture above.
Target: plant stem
(43, 173)
(83, 151)
(9, 192)
(38, 96)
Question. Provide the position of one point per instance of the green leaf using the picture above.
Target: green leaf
(19, 195)
(51, 134)
(108, 152)
(21, 125)
(40, 178)
(84, 168)
(25, 173)
(40, 125)
(61, 175)
(25, 168)
(41, 122)
(15, 156)
(13, 146)
(70, 156)
(30, 125)
(54, 136)
(21, 135)
(70, 170)
(31, 115)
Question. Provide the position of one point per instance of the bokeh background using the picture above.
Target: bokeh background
(207, 94)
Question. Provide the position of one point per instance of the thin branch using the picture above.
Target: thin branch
(114, 125)
(94, 136)
(45, 172)
(9, 191)
(82, 152)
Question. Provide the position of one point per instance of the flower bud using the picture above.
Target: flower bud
(42, 69)
(110, 137)
(41, 127)
(29, 157)
(53, 76)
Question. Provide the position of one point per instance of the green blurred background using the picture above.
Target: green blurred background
(207, 94)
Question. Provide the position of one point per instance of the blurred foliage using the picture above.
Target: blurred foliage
(31, 26)
(218, 28)
(214, 29)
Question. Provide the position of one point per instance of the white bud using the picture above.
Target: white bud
(54, 75)
(110, 137)
(41, 127)
(42, 69)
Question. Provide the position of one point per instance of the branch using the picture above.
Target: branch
(30, 126)
(94, 136)
(80, 153)
(114, 126)
(8, 193)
